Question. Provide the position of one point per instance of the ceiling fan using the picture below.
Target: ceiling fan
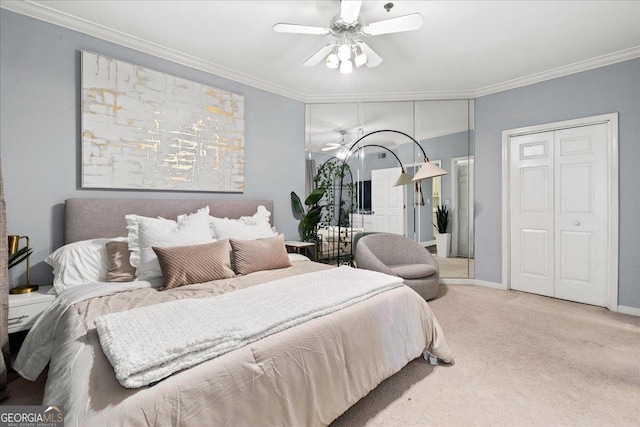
(330, 146)
(347, 28)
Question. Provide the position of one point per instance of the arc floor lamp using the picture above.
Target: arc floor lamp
(426, 171)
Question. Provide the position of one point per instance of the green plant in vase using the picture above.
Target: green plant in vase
(442, 219)
(443, 239)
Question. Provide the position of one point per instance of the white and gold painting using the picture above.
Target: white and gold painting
(142, 129)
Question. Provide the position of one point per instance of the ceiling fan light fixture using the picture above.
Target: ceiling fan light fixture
(332, 61)
(342, 154)
(344, 52)
(346, 67)
(347, 28)
(360, 58)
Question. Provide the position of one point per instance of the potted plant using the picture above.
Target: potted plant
(443, 239)
(310, 217)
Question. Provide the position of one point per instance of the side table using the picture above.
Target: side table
(24, 309)
(299, 247)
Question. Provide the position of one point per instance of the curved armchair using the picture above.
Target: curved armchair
(399, 256)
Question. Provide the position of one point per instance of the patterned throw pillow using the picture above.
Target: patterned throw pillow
(186, 265)
(261, 254)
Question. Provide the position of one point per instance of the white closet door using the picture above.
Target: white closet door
(532, 213)
(581, 234)
(387, 201)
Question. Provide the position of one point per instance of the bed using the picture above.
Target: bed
(308, 374)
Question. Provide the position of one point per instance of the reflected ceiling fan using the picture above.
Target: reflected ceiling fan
(330, 146)
(348, 49)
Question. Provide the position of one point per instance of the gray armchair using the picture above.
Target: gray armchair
(399, 256)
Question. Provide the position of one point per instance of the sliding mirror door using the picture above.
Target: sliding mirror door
(378, 166)
(331, 129)
(444, 131)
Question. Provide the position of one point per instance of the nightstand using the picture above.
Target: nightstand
(298, 247)
(24, 309)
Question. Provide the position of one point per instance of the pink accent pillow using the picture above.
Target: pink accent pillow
(261, 254)
(186, 265)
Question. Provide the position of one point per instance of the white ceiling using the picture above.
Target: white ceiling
(464, 49)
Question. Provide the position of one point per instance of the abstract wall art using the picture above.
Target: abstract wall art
(142, 129)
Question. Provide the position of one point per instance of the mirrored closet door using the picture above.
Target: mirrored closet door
(360, 170)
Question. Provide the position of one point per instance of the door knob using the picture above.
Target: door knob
(576, 222)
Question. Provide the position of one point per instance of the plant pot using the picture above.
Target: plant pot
(443, 243)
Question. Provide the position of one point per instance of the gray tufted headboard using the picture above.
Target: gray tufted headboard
(93, 218)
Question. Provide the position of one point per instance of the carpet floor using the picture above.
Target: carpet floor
(520, 359)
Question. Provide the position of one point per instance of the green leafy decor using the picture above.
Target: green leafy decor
(328, 177)
(442, 219)
(19, 256)
(310, 217)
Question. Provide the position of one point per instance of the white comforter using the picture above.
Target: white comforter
(37, 348)
(147, 344)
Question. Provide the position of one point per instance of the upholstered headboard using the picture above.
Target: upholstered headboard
(93, 218)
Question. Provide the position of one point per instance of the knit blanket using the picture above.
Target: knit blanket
(147, 344)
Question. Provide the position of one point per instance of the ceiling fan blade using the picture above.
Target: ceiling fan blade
(318, 56)
(329, 148)
(373, 59)
(349, 10)
(300, 29)
(409, 22)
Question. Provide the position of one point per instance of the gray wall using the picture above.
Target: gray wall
(40, 133)
(615, 88)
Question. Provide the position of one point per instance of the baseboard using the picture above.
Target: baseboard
(633, 311)
(477, 282)
(629, 310)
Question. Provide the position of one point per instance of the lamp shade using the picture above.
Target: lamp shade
(429, 170)
(403, 179)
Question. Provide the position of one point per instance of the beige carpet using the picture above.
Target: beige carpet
(521, 359)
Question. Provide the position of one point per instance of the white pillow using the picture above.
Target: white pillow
(144, 233)
(252, 227)
(225, 228)
(80, 263)
(261, 216)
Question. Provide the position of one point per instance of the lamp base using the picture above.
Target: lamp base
(24, 289)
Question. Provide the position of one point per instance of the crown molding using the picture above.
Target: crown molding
(565, 70)
(52, 16)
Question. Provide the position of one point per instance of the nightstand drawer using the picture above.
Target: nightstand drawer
(23, 317)
(24, 309)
